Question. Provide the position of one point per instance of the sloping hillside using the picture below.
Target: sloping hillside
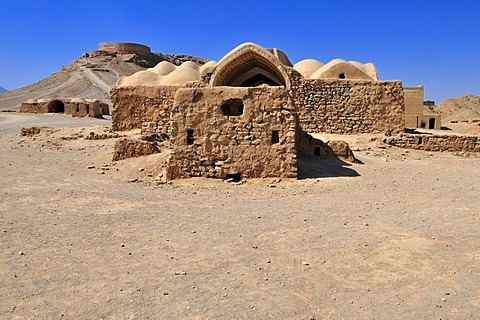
(2, 89)
(461, 114)
(88, 77)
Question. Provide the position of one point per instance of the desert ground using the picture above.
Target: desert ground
(393, 237)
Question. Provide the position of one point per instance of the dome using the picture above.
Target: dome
(307, 67)
(340, 69)
(208, 67)
(180, 76)
(140, 78)
(163, 68)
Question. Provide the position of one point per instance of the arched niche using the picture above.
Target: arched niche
(250, 65)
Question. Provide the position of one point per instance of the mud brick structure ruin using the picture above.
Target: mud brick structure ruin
(248, 115)
(76, 107)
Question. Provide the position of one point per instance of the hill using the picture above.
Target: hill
(461, 114)
(90, 76)
(2, 89)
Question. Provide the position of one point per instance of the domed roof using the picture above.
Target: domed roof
(208, 67)
(342, 69)
(141, 78)
(307, 67)
(180, 76)
(163, 68)
(163, 73)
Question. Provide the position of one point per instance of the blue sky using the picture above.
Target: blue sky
(430, 43)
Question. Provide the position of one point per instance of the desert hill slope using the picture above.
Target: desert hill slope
(88, 77)
(461, 114)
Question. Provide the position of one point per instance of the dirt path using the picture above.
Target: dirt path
(398, 240)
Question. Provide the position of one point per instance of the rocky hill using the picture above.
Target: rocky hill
(2, 89)
(461, 114)
(90, 76)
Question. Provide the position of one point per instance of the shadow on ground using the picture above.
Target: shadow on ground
(324, 168)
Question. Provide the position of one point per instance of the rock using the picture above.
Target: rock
(133, 180)
(305, 263)
(21, 253)
(91, 166)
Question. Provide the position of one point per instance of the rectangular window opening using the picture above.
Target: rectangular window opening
(233, 177)
(190, 138)
(275, 137)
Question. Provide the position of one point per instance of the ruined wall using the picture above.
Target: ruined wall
(209, 143)
(75, 107)
(146, 108)
(435, 142)
(349, 106)
(124, 47)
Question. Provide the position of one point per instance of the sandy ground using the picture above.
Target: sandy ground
(396, 237)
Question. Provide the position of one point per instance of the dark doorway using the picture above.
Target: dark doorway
(56, 106)
(190, 138)
(233, 177)
(341, 76)
(275, 137)
(431, 123)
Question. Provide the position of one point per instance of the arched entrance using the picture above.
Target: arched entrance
(250, 65)
(56, 106)
(431, 123)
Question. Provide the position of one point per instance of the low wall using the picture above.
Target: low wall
(349, 106)
(435, 142)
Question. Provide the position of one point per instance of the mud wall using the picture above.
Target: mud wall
(435, 142)
(349, 106)
(211, 143)
(146, 108)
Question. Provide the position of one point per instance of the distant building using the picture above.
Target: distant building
(417, 111)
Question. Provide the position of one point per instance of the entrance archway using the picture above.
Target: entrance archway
(56, 106)
(431, 123)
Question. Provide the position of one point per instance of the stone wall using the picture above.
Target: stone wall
(435, 142)
(349, 106)
(146, 108)
(209, 143)
(124, 47)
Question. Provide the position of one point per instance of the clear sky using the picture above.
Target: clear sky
(430, 43)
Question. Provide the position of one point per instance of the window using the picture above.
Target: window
(420, 140)
(341, 76)
(275, 137)
(190, 138)
(233, 177)
(232, 107)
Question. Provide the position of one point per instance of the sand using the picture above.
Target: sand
(395, 237)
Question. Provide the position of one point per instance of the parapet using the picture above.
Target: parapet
(124, 48)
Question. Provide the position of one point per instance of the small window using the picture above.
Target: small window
(316, 151)
(423, 125)
(232, 107)
(420, 140)
(190, 138)
(275, 137)
(341, 76)
(233, 177)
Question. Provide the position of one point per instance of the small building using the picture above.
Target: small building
(419, 113)
(76, 107)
